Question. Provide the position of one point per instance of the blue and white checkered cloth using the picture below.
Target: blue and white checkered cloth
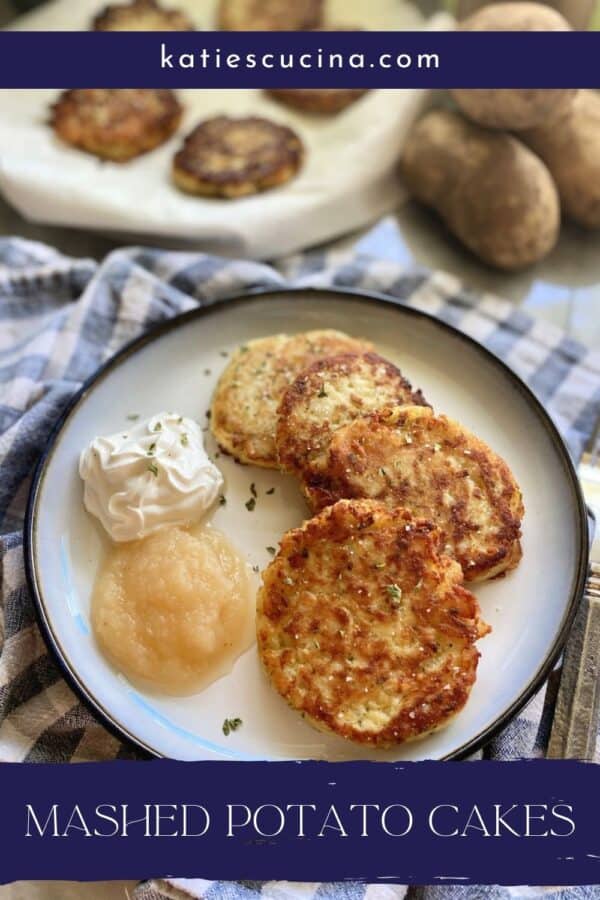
(60, 318)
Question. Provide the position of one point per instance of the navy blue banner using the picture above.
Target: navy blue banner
(299, 59)
(534, 822)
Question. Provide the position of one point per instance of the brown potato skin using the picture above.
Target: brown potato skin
(514, 108)
(570, 147)
(491, 191)
(578, 13)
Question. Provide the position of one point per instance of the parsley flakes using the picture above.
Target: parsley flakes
(230, 725)
(395, 594)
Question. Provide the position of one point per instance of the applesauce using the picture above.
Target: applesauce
(175, 609)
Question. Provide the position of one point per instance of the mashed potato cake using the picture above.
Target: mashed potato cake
(320, 101)
(227, 157)
(427, 463)
(140, 15)
(269, 15)
(244, 407)
(332, 393)
(116, 124)
(364, 628)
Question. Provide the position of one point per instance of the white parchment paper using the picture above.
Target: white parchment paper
(349, 178)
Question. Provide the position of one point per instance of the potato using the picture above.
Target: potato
(578, 13)
(571, 150)
(492, 192)
(514, 108)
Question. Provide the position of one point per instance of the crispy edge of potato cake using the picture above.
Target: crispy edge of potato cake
(390, 431)
(323, 102)
(137, 15)
(235, 157)
(364, 628)
(249, 383)
(269, 15)
(304, 432)
(320, 101)
(110, 123)
(247, 444)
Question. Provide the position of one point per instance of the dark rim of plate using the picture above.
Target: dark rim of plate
(582, 537)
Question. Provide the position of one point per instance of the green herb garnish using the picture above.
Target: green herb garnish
(158, 427)
(151, 449)
(271, 550)
(133, 417)
(322, 391)
(222, 499)
(184, 440)
(250, 504)
(395, 594)
(270, 491)
(152, 467)
(253, 490)
(230, 725)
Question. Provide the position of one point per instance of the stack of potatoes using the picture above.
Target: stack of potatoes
(499, 170)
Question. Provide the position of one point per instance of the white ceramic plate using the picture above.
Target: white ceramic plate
(530, 610)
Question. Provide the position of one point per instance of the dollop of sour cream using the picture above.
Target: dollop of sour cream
(151, 474)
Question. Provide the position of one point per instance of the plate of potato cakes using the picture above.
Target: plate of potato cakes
(410, 520)
(247, 172)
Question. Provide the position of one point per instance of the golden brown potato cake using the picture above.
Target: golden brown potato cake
(244, 407)
(140, 15)
(365, 628)
(269, 15)
(224, 157)
(332, 393)
(411, 458)
(322, 101)
(116, 124)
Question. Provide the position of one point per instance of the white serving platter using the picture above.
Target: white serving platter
(530, 610)
(350, 177)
